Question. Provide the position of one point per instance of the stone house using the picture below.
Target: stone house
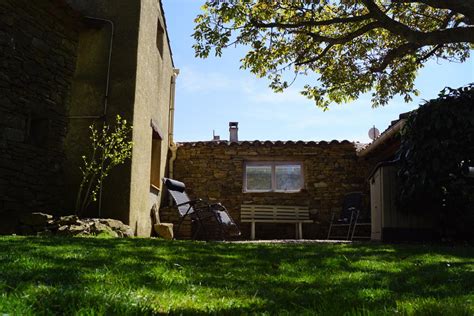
(65, 65)
(311, 174)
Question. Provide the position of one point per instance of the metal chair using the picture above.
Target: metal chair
(200, 211)
(348, 217)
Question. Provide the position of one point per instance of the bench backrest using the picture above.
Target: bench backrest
(250, 212)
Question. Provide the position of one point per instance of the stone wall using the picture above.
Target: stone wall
(38, 42)
(215, 171)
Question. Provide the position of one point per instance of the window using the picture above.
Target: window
(155, 177)
(273, 177)
(160, 37)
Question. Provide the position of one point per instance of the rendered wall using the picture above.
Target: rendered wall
(152, 102)
(140, 80)
(38, 41)
(215, 171)
(88, 93)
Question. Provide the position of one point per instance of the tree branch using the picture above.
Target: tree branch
(316, 58)
(429, 54)
(344, 39)
(452, 35)
(393, 54)
(352, 19)
(465, 7)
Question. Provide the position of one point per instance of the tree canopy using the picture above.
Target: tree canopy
(354, 46)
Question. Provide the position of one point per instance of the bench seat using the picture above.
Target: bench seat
(251, 213)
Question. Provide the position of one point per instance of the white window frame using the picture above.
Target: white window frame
(273, 165)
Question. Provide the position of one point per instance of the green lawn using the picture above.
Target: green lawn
(88, 276)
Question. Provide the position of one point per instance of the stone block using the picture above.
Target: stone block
(40, 45)
(13, 134)
(68, 220)
(164, 230)
(320, 185)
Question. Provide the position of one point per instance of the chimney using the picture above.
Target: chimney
(215, 137)
(234, 131)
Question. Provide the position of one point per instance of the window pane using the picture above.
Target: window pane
(288, 177)
(259, 178)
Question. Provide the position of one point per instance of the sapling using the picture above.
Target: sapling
(111, 146)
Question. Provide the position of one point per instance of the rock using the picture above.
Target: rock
(63, 230)
(97, 228)
(36, 219)
(128, 232)
(117, 226)
(68, 220)
(44, 225)
(112, 223)
(164, 230)
(82, 229)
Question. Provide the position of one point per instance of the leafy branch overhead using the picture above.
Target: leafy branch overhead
(353, 46)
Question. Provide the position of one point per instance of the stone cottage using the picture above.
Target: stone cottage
(65, 65)
(313, 175)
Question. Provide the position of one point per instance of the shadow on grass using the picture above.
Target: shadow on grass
(146, 276)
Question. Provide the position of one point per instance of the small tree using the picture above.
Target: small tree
(110, 147)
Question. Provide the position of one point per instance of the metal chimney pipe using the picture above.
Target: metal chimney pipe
(234, 131)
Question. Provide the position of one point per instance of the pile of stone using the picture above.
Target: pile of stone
(46, 225)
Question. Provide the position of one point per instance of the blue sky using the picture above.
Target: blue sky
(211, 92)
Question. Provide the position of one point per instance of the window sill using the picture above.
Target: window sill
(287, 192)
(155, 187)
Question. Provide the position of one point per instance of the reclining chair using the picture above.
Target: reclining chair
(200, 211)
(348, 217)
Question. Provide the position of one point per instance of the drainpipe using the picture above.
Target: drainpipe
(172, 146)
(106, 96)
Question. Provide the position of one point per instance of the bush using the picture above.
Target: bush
(437, 143)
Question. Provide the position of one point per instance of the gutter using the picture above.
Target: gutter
(385, 137)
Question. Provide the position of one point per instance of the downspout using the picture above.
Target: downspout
(106, 96)
(172, 146)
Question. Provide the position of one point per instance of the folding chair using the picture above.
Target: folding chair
(200, 211)
(365, 222)
(349, 214)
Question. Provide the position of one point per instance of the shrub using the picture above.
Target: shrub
(437, 143)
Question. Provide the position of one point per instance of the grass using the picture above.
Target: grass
(93, 276)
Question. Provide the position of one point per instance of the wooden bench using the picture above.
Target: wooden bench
(298, 215)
